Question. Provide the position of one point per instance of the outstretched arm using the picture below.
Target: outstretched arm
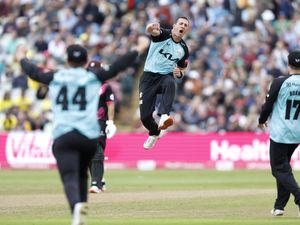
(31, 70)
(122, 62)
(108, 72)
(35, 73)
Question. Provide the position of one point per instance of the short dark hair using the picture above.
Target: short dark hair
(294, 59)
(77, 54)
(182, 17)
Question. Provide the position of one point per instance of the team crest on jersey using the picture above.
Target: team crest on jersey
(179, 51)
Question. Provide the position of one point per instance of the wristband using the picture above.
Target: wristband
(181, 75)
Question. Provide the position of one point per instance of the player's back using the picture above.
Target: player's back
(284, 124)
(74, 99)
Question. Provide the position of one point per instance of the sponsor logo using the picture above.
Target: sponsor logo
(168, 56)
(255, 151)
(29, 148)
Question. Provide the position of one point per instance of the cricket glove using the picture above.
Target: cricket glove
(110, 129)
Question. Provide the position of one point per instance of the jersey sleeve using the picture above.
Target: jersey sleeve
(164, 34)
(119, 65)
(271, 99)
(183, 62)
(109, 95)
(35, 73)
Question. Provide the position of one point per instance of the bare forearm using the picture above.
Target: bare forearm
(111, 111)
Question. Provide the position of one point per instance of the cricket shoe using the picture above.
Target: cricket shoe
(162, 134)
(95, 189)
(151, 140)
(165, 121)
(80, 214)
(277, 212)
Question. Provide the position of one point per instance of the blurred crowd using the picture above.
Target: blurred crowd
(236, 48)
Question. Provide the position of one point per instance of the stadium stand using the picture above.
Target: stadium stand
(236, 48)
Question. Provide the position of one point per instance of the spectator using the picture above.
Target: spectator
(227, 42)
(23, 102)
(10, 121)
(6, 103)
(57, 48)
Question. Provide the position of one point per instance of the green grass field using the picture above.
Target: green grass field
(162, 197)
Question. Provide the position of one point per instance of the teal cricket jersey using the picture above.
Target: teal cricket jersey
(283, 106)
(74, 98)
(74, 93)
(165, 54)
